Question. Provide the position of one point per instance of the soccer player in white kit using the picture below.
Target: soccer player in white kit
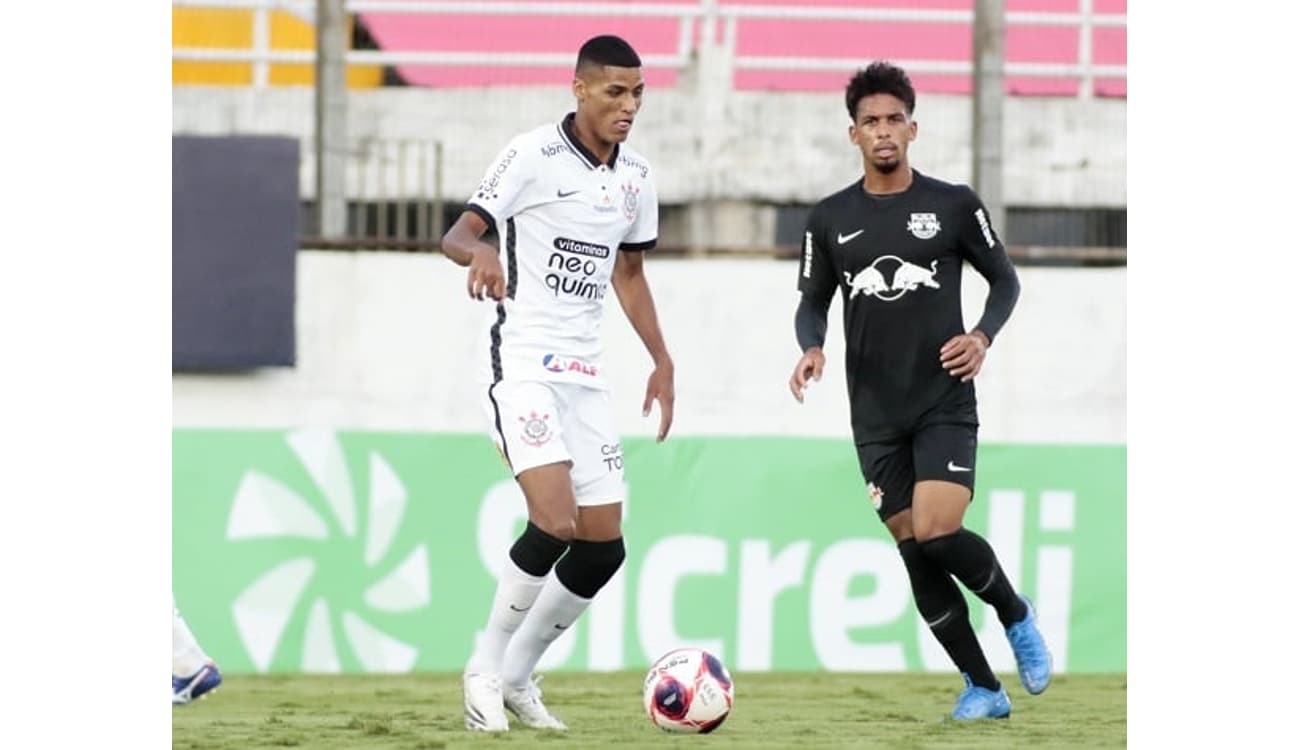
(574, 209)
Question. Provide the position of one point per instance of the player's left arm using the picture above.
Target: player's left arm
(633, 292)
(963, 355)
(638, 304)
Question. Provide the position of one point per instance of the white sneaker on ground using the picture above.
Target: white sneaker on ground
(484, 709)
(526, 704)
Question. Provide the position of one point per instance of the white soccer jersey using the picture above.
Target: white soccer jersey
(562, 217)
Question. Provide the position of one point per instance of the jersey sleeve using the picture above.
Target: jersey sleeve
(981, 246)
(817, 279)
(501, 192)
(644, 232)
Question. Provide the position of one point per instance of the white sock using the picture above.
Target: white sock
(515, 596)
(556, 610)
(187, 656)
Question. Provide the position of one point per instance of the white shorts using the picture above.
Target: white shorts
(535, 423)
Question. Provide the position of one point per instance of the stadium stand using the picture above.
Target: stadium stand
(778, 36)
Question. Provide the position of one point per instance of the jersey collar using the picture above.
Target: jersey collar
(571, 138)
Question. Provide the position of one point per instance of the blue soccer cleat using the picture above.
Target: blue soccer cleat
(1033, 660)
(197, 685)
(981, 703)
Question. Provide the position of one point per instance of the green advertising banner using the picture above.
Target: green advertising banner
(316, 551)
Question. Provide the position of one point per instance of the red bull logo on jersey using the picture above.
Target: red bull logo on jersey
(923, 226)
(907, 277)
(557, 363)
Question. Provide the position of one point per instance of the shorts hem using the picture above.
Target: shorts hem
(540, 459)
(588, 501)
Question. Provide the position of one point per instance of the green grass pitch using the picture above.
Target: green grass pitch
(772, 710)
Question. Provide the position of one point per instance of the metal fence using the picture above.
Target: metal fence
(394, 193)
(709, 15)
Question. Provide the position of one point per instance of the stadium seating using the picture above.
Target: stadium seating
(775, 37)
(233, 29)
(755, 36)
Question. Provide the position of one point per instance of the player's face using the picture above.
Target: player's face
(882, 130)
(608, 100)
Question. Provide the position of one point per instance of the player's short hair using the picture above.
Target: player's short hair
(607, 49)
(879, 77)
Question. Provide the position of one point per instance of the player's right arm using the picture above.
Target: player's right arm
(496, 199)
(817, 284)
(463, 245)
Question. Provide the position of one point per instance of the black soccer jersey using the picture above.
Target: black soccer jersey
(897, 261)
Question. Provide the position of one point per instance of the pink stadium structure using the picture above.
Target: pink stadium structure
(767, 37)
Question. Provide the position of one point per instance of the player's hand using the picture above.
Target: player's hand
(963, 355)
(660, 387)
(485, 274)
(809, 368)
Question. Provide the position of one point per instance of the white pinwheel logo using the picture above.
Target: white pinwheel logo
(266, 508)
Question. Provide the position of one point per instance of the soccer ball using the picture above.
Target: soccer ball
(688, 691)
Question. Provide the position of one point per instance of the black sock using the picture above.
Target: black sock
(590, 565)
(966, 555)
(942, 605)
(535, 551)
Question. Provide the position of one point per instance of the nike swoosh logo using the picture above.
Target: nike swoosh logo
(954, 467)
(525, 609)
(560, 627)
(562, 194)
(846, 237)
(939, 621)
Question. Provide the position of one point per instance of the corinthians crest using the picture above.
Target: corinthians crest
(630, 192)
(923, 226)
(535, 431)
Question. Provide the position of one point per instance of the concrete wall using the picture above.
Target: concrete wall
(752, 147)
(385, 343)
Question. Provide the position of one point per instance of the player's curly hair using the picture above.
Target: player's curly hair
(879, 77)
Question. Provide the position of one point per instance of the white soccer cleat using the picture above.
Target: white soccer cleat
(484, 710)
(526, 704)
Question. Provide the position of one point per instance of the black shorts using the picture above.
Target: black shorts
(936, 450)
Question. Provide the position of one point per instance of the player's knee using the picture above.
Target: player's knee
(900, 526)
(535, 551)
(590, 565)
(559, 523)
(927, 528)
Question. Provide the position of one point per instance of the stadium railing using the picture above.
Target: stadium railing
(708, 15)
(709, 36)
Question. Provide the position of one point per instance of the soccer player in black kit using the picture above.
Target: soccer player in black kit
(893, 244)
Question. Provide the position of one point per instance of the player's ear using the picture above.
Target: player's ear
(579, 88)
(911, 129)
